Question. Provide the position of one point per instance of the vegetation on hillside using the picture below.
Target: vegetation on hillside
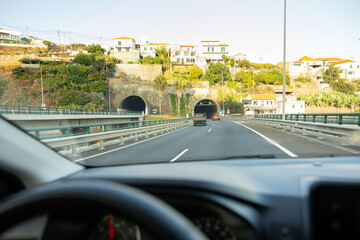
(82, 84)
(331, 99)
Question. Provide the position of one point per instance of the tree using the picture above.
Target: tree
(246, 79)
(180, 84)
(216, 71)
(95, 48)
(195, 73)
(332, 74)
(160, 85)
(163, 55)
(47, 43)
(83, 59)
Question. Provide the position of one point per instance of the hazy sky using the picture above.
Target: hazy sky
(316, 28)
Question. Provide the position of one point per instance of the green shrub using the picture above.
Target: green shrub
(302, 79)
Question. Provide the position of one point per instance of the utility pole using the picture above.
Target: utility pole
(64, 42)
(58, 37)
(27, 31)
(284, 65)
(42, 88)
(70, 40)
(107, 79)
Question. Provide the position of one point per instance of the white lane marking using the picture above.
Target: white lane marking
(209, 130)
(291, 154)
(99, 154)
(179, 155)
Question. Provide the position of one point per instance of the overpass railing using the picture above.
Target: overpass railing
(334, 118)
(16, 109)
(75, 130)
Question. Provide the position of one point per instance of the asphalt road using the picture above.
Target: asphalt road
(218, 140)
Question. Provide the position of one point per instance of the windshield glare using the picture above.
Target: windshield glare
(150, 82)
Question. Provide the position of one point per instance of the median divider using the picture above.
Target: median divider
(111, 137)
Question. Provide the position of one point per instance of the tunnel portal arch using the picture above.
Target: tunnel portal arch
(134, 103)
(208, 106)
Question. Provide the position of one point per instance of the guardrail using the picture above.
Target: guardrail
(336, 118)
(16, 109)
(346, 135)
(74, 130)
(119, 135)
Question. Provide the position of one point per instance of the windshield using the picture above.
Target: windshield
(115, 83)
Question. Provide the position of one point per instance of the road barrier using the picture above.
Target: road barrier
(75, 130)
(336, 118)
(345, 135)
(16, 109)
(100, 137)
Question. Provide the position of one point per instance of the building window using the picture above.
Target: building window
(192, 54)
(144, 48)
(178, 59)
(350, 73)
(208, 49)
(147, 42)
(297, 64)
(212, 49)
(350, 66)
(127, 49)
(358, 66)
(151, 48)
(186, 53)
(177, 53)
(293, 106)
(119, 43)
(222, 49)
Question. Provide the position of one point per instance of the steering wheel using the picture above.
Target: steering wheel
(143, 208)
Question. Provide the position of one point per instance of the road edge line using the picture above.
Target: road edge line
(288, 152)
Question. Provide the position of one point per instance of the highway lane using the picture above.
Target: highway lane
(218, 140)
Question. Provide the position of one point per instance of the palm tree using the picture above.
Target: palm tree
(160, 85)
(163, 54)
(180, 84)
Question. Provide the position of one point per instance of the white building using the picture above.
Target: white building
(239, 56)
(148, 49)
(258, 104)
(7, 35)
(183, 54)
(124, 44)
(213, 50)
(292, 106)
(350, 69)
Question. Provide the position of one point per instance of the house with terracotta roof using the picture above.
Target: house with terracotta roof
(148, 48)
(213, 50)
(239, 56)
(259, 104)
(184, 54)
(350, 69)
(124, 44)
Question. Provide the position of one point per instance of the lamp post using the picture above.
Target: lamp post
(222, 77)
(42, 87)
(284, 65)
(107, 80)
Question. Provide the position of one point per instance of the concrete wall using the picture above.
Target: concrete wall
(145, 72)
(133, 56)
(122, 89)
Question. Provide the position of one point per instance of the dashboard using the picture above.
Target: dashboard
(230, 199)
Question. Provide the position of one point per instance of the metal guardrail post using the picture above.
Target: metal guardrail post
(340, 119)
(136, 137)
(146, 134)
(101, 145)
(73, 151)
(122, 140)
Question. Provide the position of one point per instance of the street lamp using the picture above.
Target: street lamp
(284, 65)
(222, 77)
(108, 82)
(42, 87)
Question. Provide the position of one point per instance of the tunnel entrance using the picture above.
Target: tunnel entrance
(207, 106)
(133, 103)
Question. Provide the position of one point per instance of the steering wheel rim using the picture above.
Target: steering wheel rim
(150, 212)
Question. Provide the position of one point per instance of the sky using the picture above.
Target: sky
(315, 28)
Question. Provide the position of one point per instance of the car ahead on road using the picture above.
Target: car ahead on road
(199, 119)
(216, 117)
